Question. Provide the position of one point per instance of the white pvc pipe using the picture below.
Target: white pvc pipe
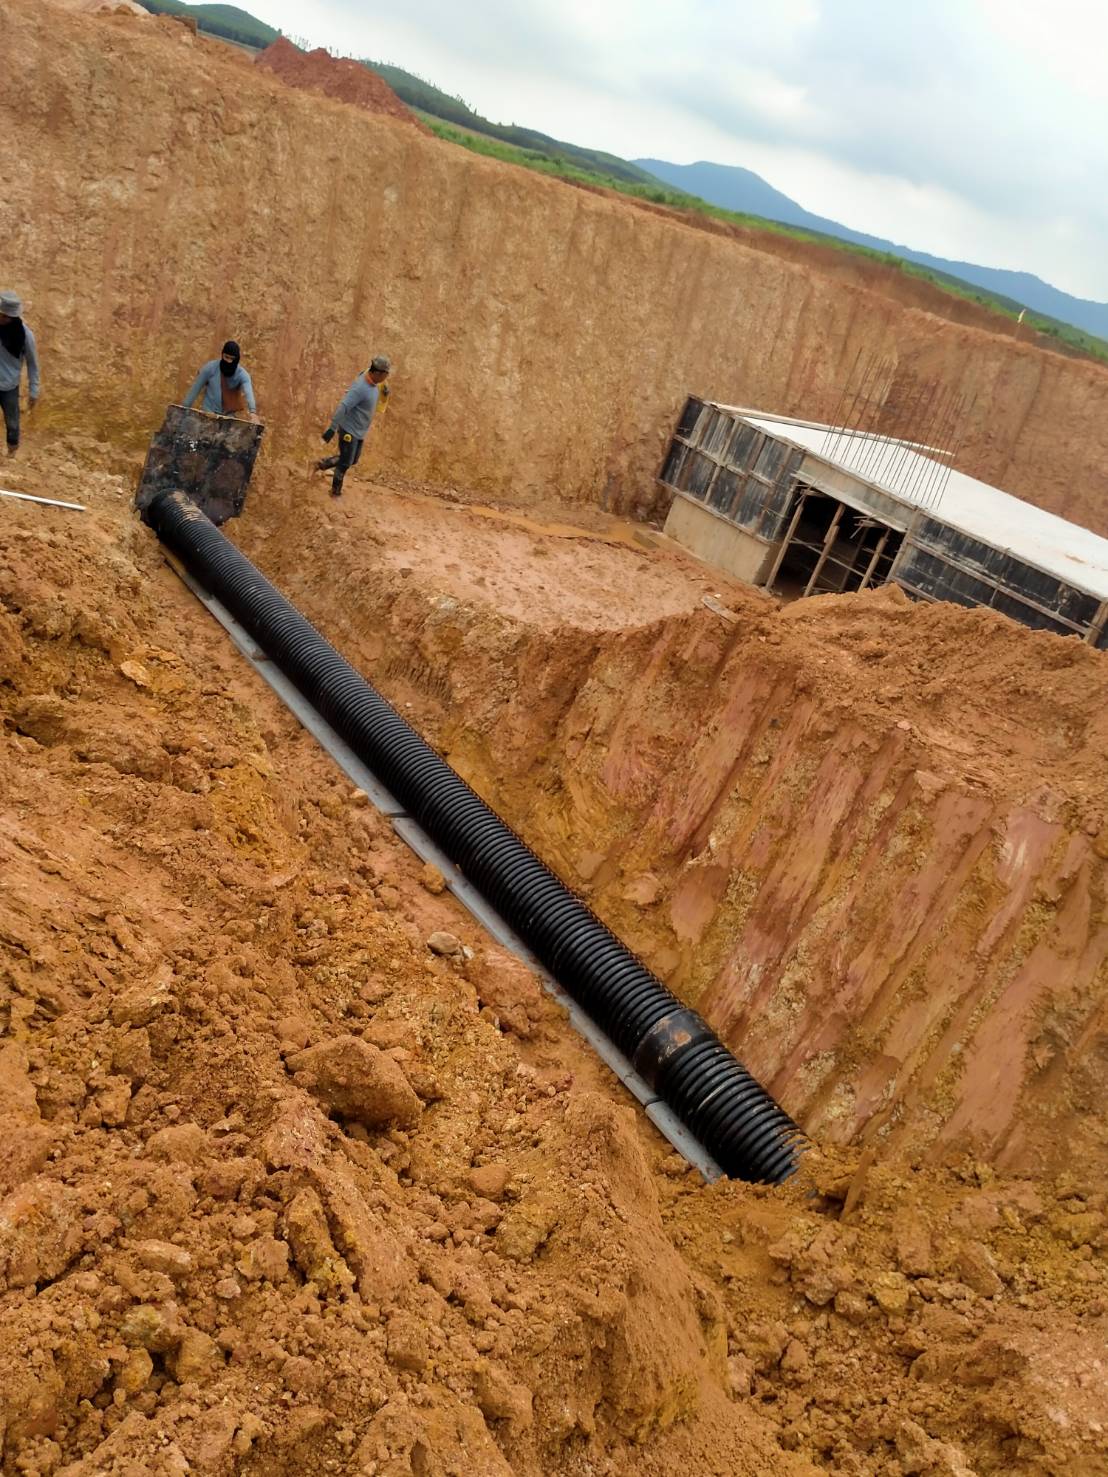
(48, 502)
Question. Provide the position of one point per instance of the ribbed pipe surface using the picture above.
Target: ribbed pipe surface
(672, 1047)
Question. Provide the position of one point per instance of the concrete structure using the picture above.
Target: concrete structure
(804, 509)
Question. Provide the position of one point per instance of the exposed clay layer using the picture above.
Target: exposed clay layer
(337, 77)
(285, 1191)
(170, 195)
(868, 839)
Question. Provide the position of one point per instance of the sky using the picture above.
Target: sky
(973, 129)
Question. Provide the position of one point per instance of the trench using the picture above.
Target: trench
(669, 1046)
(864, 839)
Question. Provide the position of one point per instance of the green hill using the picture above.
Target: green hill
(427, 98)
(226, 21)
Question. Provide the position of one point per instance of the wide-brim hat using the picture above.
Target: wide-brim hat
(10, 305)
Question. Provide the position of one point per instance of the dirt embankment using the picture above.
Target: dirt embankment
(281, 1192)
(337, 77)
(353, 82)
(868, 839)
(169, 195)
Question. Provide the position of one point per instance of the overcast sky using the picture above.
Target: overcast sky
(974, 129)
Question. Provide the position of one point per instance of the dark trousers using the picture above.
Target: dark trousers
(350, 451)
(9, 399)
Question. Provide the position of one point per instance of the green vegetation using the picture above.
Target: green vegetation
(425, 97)
(225, 21)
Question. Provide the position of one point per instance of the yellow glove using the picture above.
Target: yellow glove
(383, 400)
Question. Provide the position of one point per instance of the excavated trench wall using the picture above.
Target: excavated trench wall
(163, 195)
(868, 840)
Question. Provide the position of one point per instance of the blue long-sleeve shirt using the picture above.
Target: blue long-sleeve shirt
(211, 382)
(11, 368)
(356, 408)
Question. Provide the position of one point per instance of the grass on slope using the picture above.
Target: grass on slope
(426, 98)
(560, 161)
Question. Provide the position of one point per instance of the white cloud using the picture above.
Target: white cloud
(976, 129)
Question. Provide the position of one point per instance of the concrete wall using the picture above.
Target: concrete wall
(718, 542)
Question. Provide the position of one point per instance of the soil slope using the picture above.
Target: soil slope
(290, 1185)
(338, 77)
(169, 195)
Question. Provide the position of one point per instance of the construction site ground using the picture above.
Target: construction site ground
(302, 1175)
(288, 1190)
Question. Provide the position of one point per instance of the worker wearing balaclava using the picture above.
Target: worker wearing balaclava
(228, 388)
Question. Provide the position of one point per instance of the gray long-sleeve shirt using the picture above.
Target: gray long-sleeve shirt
(211, 382)
(356, 408)
(11, 367)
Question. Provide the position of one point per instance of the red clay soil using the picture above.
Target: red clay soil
(869, 839)
(339, 77)
(287, 1191)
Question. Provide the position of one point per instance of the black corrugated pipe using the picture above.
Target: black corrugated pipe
(672, 1047)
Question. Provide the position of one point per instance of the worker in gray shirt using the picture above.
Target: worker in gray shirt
(353, 419)
(17, 348)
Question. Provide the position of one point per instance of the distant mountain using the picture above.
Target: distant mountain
(738, 189)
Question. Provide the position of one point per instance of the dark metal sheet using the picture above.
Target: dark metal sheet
(207, 457)
(689, 415)
(675, 460)
(697, 473)
(743, 447)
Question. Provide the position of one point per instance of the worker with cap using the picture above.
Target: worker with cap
(353, 419)
(228, 389)
(17, 348)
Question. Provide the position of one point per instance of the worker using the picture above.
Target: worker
(17, 348)
(228, 389)
(353, 419)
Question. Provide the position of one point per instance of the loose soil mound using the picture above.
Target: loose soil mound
(339, 77)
